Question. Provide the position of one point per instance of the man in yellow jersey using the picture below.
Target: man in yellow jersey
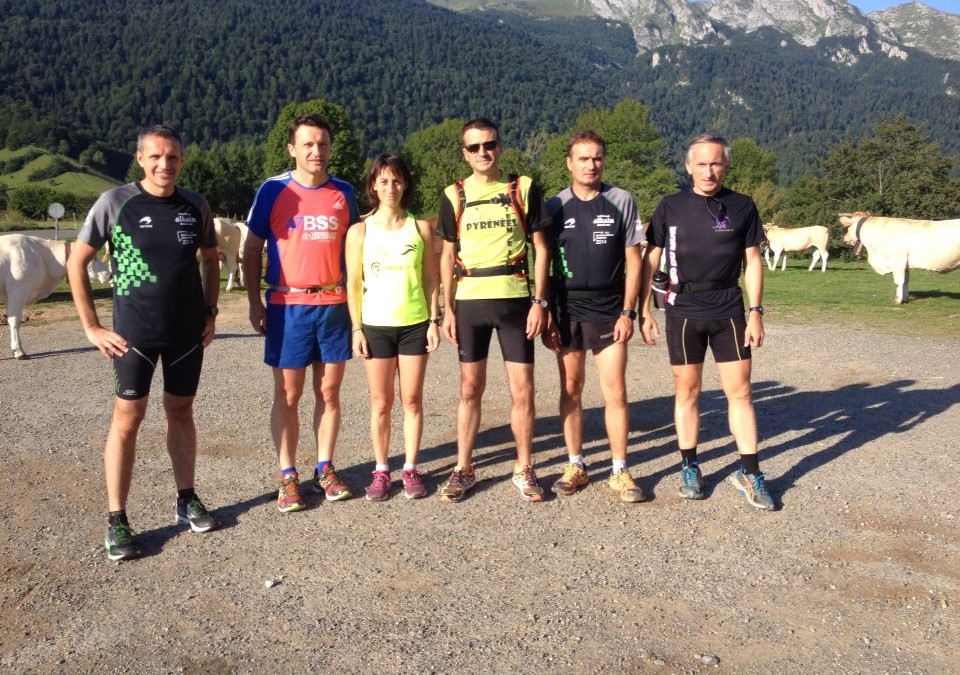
(488, 222)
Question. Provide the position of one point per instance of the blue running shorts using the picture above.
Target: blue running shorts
(298, 335)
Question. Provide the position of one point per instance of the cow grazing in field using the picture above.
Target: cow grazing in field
(783, 239)
(899, 244)
(30, 268)
(231, 237)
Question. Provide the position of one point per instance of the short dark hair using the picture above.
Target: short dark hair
(587, 136)
(311, 120)
(480, 123)
(161, 130)
(399, 168)
(711, 138)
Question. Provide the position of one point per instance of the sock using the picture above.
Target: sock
(689, 456)
(518, 467)
(322, 466)
(289, 471)
(383, 467)
(185, 495)
(619, 465)
(577, 460)
(117, 517)
(465, 469)
(407, 466)
(750, 464)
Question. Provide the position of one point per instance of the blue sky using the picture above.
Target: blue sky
(952, 6)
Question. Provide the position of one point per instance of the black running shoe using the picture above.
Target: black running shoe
(195, 514)
(119, 542)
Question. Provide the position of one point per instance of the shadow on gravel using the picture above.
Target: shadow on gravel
(58, 352)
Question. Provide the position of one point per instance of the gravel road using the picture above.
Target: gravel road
(857, 571)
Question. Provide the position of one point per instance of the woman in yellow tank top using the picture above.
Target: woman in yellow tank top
(393, 298)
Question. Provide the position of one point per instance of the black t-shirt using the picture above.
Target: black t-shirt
(157, 291)
(704, 239)
(589, 240)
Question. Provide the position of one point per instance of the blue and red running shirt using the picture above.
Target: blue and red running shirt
(305, 229)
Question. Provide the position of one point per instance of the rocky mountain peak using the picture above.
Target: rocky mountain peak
(658, 22)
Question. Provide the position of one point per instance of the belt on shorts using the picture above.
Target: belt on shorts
(696, 286)
(308, 289)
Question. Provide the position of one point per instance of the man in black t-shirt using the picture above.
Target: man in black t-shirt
(163, 312)
(708, 234)
(596, 237)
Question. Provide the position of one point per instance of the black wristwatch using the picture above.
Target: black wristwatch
(213, 311)
(538, 301)
(758, 309)
(629, 313)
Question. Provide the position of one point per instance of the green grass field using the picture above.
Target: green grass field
(852, 294)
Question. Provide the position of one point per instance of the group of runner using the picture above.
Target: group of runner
(573, 270)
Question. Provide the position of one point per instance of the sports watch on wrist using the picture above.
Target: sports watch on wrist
(758, 309)
(538, 301)
(629, 313)
(213, 311)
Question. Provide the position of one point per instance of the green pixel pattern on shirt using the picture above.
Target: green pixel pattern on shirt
(132, 269)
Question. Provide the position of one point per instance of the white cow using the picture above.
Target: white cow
(30, 268)
(783, 239)
(898, 244)
(231, 237)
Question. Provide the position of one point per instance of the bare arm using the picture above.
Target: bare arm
(623, 330)
(354, 257)
(109, 343)
(431, 285)
(448, 255)
(753, 281)
(538, 318)
(648, 325)
(253, 273)
(210, 269)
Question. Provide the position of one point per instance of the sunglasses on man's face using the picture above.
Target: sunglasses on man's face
(475, 147)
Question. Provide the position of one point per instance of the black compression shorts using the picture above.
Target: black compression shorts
(687, 339)
(476, 320)
(386, 342)
(133, 372)
(582, 335)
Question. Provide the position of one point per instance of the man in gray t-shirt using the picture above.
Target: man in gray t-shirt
(163, 313)
(596, 237)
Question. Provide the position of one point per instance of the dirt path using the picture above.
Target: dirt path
(858, 571)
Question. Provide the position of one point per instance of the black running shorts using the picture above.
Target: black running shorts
(386, 342)
(687, 339)
(582, 335)
(476, 320)
(133, 372)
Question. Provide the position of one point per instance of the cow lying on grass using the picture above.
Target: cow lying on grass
(30, 268)
(899, 244)
(783, 239)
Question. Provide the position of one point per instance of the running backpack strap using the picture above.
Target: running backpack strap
(516, 201)
(461, 204)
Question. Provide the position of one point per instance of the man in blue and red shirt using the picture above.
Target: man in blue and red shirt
(302, 216)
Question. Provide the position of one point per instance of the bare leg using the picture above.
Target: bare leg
(473, 382)
(380, 377)
(687, 381)
(181, 438)
(522, 409)
(735, 378)
(612, 369)
(572, 366)
(284, 417)
(327, 378)
(412, 371)
(120, 450)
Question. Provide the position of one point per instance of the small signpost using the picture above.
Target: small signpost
(56, 212)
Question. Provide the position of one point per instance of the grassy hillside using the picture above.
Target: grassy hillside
(80, 180)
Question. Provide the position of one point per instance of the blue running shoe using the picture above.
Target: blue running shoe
(753, 489)
(691, 482)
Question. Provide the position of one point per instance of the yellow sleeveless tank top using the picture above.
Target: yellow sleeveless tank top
(392, 275)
